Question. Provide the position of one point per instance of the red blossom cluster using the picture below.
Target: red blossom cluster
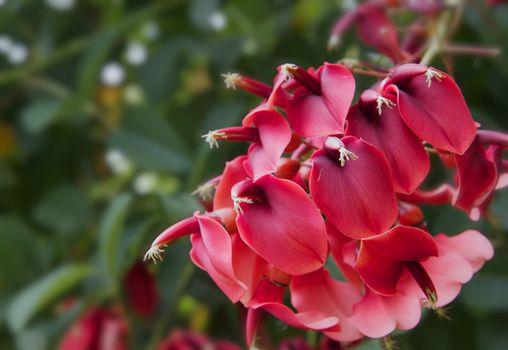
(325, 181)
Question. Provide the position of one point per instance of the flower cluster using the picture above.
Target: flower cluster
(325, 181)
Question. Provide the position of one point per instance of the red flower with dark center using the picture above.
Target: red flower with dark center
(383, 258)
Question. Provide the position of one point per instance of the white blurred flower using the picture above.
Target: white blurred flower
(61, 5)
(3, 2)
(217, 20)
(136, 53)
(145, 183)
(112, 74)
(133, 94)
(150, 30)
(17, 54)
(117, 161)
(5, 43)
(250, 47)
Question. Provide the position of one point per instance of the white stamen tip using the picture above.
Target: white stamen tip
(286, 70)
(204, 191)
(383, 101)
(237, 201)
(212, 136)
(154, 253)
(346, 155)
(432, 74)
(231, 79)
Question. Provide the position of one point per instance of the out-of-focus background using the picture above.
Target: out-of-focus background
(102, 104)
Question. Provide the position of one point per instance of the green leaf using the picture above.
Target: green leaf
(36, 297)
(64, 209)
(19, 248)
(37, 116)
(111, 228)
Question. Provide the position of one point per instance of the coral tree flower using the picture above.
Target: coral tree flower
(269, 133)
(374, 28)
(382, 259)
(376, 120)
(431, 104)
(97, 328)
(319, 106)
(350, 182)
(292, 240)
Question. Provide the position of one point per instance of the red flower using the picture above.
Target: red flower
(351, 183)
(319, 106)
(100, 329)
(376, 120)
(141, 289)
(292, 240)
(382, 259)
(432, 105)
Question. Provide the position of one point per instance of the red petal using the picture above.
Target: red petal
(378, 31)
(343, 250)
(408, 161)
(380, 260)
(233, 172)
(274, 134)
(284, 226)
(212, 250)
(357, 198)
(433, 112)
(313, 115)
(476, 178)
(248, 267)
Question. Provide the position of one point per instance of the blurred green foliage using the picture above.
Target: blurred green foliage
(92, 169)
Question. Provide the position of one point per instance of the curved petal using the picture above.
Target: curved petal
(380, 259)
(358, 198)
(470, 244)
(432, 105)
(212, 250)
(408, 161)
(282, 225)
(269, 297)
(320, 115)
(233, 172)
(319, 292)
(476, 178)
(274, 134)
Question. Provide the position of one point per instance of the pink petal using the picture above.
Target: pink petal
(357, 198)
(470, 244)
(318, 291)
(213, 251)
(269, 297)
(282, 225)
